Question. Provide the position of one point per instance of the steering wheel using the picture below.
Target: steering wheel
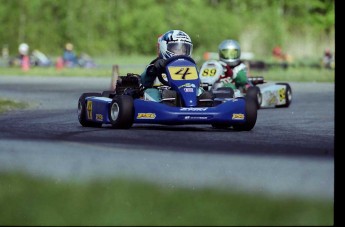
(161, 79)
(173, 58)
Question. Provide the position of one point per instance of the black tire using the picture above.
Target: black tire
(82, 110)
(287, 95)
(255, 94)
(224, 92)
(121, 112)
(250, 115)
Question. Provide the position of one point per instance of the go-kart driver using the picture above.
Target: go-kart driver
(229, 52)
(171, 43)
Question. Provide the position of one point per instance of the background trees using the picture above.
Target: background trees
(304, 28)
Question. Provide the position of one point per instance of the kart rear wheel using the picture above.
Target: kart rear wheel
(287, 95)
(255, 93)
(82, 111)
(250, 115)
(121, 112)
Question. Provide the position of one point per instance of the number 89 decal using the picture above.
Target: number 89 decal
(209, 72)
(183, 73)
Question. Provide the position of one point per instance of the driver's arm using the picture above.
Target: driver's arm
(155, 68)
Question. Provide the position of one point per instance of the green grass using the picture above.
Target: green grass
(137, 64)
(127, 64)
(7, 105)
(36, 201)
(52, 72)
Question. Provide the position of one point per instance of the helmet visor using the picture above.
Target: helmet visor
(180, 48)
(230, 53)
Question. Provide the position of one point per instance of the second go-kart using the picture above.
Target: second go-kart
(268, 95)
(179, 103)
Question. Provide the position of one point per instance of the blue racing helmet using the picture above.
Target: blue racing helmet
(174, 42)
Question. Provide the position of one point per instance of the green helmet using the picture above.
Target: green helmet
(229, 52)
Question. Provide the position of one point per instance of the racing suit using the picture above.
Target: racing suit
(235, 76)
(149, 76)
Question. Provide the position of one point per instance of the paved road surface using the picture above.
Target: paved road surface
(290, 151)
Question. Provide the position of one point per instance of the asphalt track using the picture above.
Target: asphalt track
(289, 152)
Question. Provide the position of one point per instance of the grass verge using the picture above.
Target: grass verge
(7, 105)
(27, 200)
(137, 64)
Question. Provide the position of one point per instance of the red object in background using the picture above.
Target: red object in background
(278, 53)
(25, 63)
(59, 63)
(206, 56)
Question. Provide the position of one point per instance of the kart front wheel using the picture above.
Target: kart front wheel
(121, 112)
(287, 95)
(82, 110)
(250, 115)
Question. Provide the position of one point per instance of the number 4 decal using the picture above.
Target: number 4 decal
(183, 73)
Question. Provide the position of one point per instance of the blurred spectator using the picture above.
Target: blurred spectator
(23, 50)
(69, 57)
(36, 58)
(328, 60)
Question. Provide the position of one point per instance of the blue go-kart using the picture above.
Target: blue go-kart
(181, 101)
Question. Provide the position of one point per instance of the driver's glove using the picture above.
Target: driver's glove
(153, 70)
(160, 65)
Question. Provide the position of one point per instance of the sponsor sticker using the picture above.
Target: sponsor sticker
(99, 117)
(237, 116)
(188, 89)
(195, 117)
(146, 116)
(187, 85)
(192, 109)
